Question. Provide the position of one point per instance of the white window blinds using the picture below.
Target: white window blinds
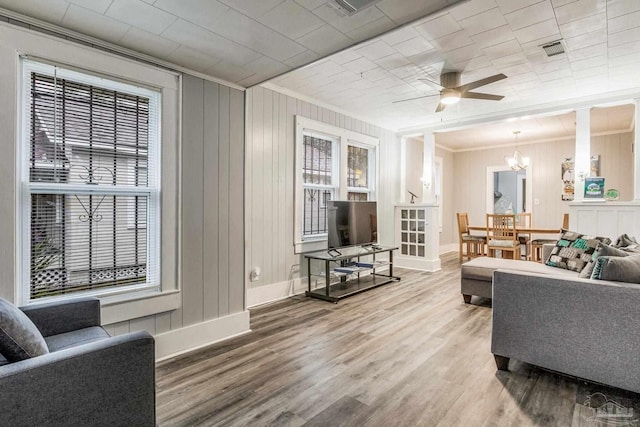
(91, 178)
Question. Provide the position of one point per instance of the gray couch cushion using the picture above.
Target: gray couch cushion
(619, 269)
(482, 268)
(573, 251)
(601, 250)
(19, 337)
(75, 338)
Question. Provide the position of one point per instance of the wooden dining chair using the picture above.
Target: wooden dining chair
(502, 236)
(475, 244)
(524, 220)
(536, 244)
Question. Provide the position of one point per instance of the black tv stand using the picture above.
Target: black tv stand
(346, 273)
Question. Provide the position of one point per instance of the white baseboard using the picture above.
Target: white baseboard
(413, 263)
(275, 292)
(449, 247)
(193, 337)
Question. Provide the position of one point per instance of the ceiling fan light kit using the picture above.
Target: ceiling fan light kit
(452, 91)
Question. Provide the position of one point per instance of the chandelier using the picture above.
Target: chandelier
(517, 162)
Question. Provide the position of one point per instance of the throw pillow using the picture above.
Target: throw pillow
(574, 250)
(625, 240)
(19, 338)
(618, 269)
(601, 250)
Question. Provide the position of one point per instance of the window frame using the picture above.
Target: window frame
(344, 138)
(152, 191)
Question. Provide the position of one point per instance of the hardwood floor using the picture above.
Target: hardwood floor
(406, 354)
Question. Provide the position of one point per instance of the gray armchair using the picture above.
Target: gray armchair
(88, 378)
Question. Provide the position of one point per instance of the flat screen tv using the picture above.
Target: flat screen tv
(352, 223)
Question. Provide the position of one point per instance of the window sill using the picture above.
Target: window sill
(125, 307)
(310, 245)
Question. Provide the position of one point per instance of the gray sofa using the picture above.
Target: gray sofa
(581, 327)
(87, 379)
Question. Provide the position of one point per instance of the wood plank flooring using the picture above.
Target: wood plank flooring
(409, 353)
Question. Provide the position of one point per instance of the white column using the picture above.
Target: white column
(582, 156)
(636, 152)
(403, 169)
(428, 168)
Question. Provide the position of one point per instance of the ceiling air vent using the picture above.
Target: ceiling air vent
(553, 48)
(350, 7)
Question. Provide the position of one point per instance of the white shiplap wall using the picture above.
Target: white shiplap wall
(269, 158)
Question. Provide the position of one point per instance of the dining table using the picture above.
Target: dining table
(522, 229)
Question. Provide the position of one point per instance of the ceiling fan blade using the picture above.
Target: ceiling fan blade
(441, 107)
(481, 82)
(478, 95)
(417, 97)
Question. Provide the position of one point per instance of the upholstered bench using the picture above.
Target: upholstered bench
(476, 276)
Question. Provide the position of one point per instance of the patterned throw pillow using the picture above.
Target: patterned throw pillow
(574, 250)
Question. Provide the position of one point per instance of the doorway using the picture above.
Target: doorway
(508, 191)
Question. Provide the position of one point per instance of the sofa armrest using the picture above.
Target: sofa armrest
(547, 248)
(64, 316)
(109, 382)
(581, 327)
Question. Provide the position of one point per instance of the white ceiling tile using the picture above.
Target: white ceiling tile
(624, 37)
(533, 14)
(618, 61)
(623, 49)
(371, 29)
(346, 76)
(517, 69)
(149, 43)
(201, 12)
(579, 9)
(492, 37)
(252, 8)
(586, 40)
(508, 6)
(581, 73)
(227, 71)
(376, 74)
(400, 35)
(624, 22)
(622, 7)
(592, 62)
(251, 80)
(392, 61)
(99, 6)
(249, 33)
(94, 24)
(413, 46)
(360, 65)
(509, 60)
(463, 54)
(324, 40)
(301, 59)
(198, 38)
(310, 4)
(50, 11)
(192, 59)
(471, 8)
(346, 55)
(141, 15)
(484, 21)
(584, 25)
(376, 50)
(291, 19)
(473, 64)
(503, 49)
(327, 68)
(266, 66)
(452, 41)
(438, 27)
(538, 31)
(589, 52)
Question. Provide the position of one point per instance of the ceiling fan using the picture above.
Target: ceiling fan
(452, 90)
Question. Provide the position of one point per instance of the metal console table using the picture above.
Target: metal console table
(343, 268)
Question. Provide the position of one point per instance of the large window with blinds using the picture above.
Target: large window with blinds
(333, 164)
(91, 188)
